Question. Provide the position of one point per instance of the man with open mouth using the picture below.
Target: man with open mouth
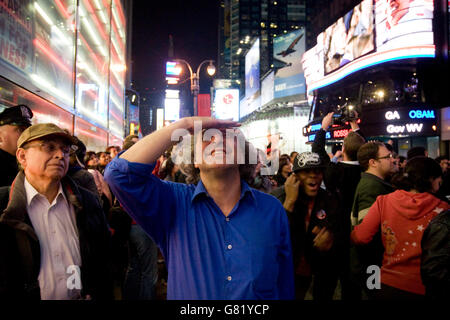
(312, 214)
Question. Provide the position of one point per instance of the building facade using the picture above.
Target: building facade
(67, 60)
(391, 66)
(241, 21)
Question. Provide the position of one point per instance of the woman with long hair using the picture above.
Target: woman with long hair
(402, 217)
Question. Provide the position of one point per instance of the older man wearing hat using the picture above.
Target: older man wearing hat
(13, 121)
(54, 239)
(312, 214)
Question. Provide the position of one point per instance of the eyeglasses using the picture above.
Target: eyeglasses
(51, 147)
(389, 156)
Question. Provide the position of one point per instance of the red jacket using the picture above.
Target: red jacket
(403, 217)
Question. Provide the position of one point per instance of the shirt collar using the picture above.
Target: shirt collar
(32, 192)
(351, 162)
(200, 189)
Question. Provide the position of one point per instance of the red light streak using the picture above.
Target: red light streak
(95, 19)
(62, 9)
(49, 53)
(90, 134)
(116, 116)
(93, 55)
(118, 39)
(119, 10)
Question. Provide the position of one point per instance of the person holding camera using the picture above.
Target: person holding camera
(342, 178)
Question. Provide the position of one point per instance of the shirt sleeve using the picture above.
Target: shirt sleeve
(286, 270)
(148, 200)
(364, 232)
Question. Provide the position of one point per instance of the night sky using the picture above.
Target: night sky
(193, 25)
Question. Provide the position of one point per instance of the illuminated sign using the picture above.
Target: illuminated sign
(172, 69)
(172, 109)
(392, 115)
(313, 136)
(413, 114)
(227, 104)
(410, 128)
(172, 80)
(343, 49)
(420, 114)
(340, 133)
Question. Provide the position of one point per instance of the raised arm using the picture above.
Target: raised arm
(319, 141)
(150, 148)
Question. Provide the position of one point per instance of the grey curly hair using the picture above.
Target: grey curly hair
(187, 167)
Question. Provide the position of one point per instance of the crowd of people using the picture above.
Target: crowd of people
(133, 223)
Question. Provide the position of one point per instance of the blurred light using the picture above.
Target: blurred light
(380, 93)
(172, 94)
(434, 127)
(172, 68)
(171, 80)
(43, 14)
(211, 69)
(118, 67)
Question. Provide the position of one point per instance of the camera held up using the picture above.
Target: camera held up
(343, 114)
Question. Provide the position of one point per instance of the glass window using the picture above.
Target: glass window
(37, 47)
(117, 69)
(115, 141)
(43, 111)
(92, 136)
(93, 61)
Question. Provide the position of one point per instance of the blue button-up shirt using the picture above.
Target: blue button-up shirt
(246, 255)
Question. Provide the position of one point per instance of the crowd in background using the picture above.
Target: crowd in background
(397, 205)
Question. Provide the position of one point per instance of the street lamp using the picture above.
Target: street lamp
(195, 79)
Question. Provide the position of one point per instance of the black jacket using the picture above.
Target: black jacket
(8, 168)
(20, 249)
(342, 179)
(435, 262)
(324, 214)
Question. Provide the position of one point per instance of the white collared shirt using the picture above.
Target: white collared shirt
(55, 227)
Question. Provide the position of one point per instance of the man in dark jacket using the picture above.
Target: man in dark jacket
(54, 239)
(342, 178)
(377, 162)
(13, 121)
(312, 214)
(435, 262)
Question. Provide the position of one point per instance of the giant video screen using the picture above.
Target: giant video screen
(287, 52)
(349, 38)
(252, 70)
(374, 32)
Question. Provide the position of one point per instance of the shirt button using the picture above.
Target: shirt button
(229, 278)
(230, 246)
(227, 219)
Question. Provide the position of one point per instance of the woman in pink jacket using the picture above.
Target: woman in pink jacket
(402, 217)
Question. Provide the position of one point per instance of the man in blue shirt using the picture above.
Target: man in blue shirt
(220, 238)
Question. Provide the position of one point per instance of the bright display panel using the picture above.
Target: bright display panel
(287, 52)
(401, 29)
(226, 104)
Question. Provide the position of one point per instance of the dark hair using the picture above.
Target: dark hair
(283, 161)
(401, 159)
(418, 174)
(415, 151)
(352, 142)
(367, 151)
(292, 153)
(88, 156)
(440, 158)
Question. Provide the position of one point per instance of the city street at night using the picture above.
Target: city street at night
(225, 158)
